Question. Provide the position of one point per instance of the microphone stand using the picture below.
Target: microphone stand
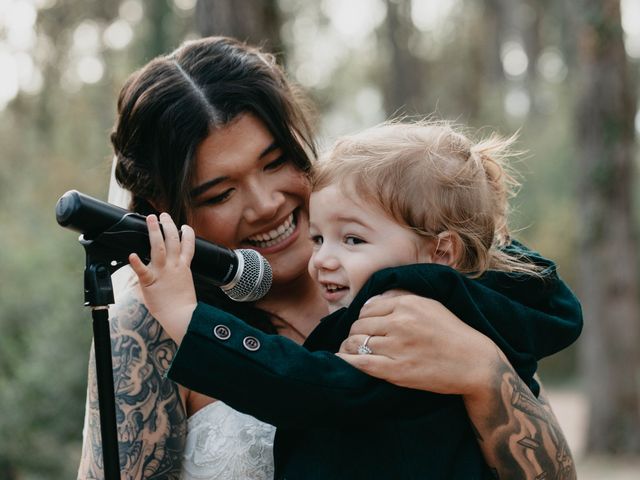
(98, 295)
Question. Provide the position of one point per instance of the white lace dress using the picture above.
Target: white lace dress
(223, 443)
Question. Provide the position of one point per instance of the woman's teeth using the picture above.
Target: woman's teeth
(277, 235)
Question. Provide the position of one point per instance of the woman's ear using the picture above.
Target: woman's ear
(446, 249)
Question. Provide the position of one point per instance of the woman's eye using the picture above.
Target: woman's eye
(317, 240)
(281, 160)
(351, 240)
(218, 198)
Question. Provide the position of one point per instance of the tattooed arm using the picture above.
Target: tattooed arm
(150, 415)
(518, 433)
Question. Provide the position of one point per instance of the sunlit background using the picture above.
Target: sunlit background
(510, 66)
(318, 48)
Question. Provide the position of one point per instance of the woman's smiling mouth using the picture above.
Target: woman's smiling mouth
(274, 236)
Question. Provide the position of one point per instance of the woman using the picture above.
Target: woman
(215, 135)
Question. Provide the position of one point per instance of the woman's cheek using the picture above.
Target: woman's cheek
(217, 224)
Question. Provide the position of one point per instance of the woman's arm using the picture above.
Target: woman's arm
(518, 433)
(151, 418)
(418, 343)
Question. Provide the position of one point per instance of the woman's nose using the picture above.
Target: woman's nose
(263, 203)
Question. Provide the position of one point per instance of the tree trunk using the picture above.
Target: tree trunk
(493, 18)
(404, 85)
(257, 22)
(608, 262)
(158, 41)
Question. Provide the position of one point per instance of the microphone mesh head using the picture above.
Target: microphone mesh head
(253, 279)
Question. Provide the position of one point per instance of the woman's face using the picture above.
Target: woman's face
(248, 194)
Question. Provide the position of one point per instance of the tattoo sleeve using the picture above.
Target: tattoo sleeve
(518, 433)
(149, 412)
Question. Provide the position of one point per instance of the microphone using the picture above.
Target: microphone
(243, 274)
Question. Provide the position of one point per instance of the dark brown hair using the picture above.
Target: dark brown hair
(168, 107)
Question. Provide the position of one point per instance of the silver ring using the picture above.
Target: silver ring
(364, 349)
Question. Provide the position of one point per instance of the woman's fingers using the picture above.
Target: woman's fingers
(375, 365)
(377, 344)
(370, 326)
(383, 304)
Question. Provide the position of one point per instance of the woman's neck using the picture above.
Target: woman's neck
(297, 307)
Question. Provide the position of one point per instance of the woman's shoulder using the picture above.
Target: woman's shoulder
(128, 310)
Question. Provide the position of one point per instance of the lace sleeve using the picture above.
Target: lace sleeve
(224, 443)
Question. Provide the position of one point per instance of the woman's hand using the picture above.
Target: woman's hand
(166, 283)
(418, 343)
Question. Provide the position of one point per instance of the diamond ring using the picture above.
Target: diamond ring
(364, 349)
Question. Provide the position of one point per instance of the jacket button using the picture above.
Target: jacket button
(251, 343)
(222, 332)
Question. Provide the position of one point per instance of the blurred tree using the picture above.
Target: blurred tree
(608, 276)
(495, 34)
(257, 22)
(406, 75)
(159, 40)
(53, 140)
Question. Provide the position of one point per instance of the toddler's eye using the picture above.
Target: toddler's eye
(317, 240)
(351, 240)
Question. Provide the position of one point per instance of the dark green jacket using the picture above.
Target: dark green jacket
(335, 422)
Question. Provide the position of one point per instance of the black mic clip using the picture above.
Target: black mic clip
(104, 257)
(100, 263)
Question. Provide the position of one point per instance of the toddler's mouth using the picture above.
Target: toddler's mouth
(333, 288)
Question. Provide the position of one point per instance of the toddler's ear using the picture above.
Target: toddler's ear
(446, 249)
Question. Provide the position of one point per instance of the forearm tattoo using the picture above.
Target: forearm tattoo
(150, 416)
(520, 435)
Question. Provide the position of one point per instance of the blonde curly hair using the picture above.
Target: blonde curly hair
(432, 178)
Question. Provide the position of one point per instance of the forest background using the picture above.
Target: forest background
(564, 73)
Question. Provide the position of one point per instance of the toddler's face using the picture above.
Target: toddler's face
(353, 240)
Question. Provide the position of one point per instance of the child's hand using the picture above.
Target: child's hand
(166, 283)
